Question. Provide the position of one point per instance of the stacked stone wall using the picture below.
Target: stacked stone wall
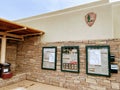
(29, 59)
(11, 52)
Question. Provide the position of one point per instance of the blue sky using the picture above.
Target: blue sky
(17, 9)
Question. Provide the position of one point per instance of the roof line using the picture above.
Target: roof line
(66, 11)
(14, 23)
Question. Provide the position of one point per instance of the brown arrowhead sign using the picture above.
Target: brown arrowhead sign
(90, 18)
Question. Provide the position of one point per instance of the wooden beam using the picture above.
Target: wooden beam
(11, 35)
(13, 39)
(32, 34)
(15, 36)
(16, 39)
(19, 29)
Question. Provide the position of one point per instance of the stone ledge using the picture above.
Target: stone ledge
(16, 78)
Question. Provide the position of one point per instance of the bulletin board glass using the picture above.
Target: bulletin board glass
(98, 60)
(70, 59)
(49, 58)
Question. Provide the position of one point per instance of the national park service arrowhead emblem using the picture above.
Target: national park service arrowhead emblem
(90, 18)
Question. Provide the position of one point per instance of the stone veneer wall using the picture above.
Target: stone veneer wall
(29, 59)
(16, 78)
(11, 50)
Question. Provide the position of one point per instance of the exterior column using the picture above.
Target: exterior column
(3, 49)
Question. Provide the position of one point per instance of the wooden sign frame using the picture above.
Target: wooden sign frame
(98, 60)
(49, 58)
(70, 59)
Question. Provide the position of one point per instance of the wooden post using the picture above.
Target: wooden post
(3, 49)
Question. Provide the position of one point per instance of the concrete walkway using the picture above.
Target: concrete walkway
(30, 85)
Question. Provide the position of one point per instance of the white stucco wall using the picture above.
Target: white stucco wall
(116, 19)
(70, 25)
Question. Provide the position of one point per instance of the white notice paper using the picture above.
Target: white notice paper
(51, 57)
(5, 70)
(95, 57)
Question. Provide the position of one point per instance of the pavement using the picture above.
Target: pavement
(30, 85)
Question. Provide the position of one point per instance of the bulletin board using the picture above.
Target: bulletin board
(70, 59)
(98, 60)
(49, 58)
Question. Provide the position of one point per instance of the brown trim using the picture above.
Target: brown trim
(16, 31)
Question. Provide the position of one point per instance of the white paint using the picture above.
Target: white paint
(72, 26)
(116, 20)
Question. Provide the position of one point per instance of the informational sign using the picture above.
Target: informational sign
(114, 66)
(70, 58)
(95, 57)
(49, 58)
(98, 60)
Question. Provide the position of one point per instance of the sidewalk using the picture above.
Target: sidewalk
(30, 85)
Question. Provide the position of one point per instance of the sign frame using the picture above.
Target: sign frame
(102, 67)
(67, 64)
(49, 58)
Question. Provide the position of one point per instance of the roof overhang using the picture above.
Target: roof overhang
(16, 31)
